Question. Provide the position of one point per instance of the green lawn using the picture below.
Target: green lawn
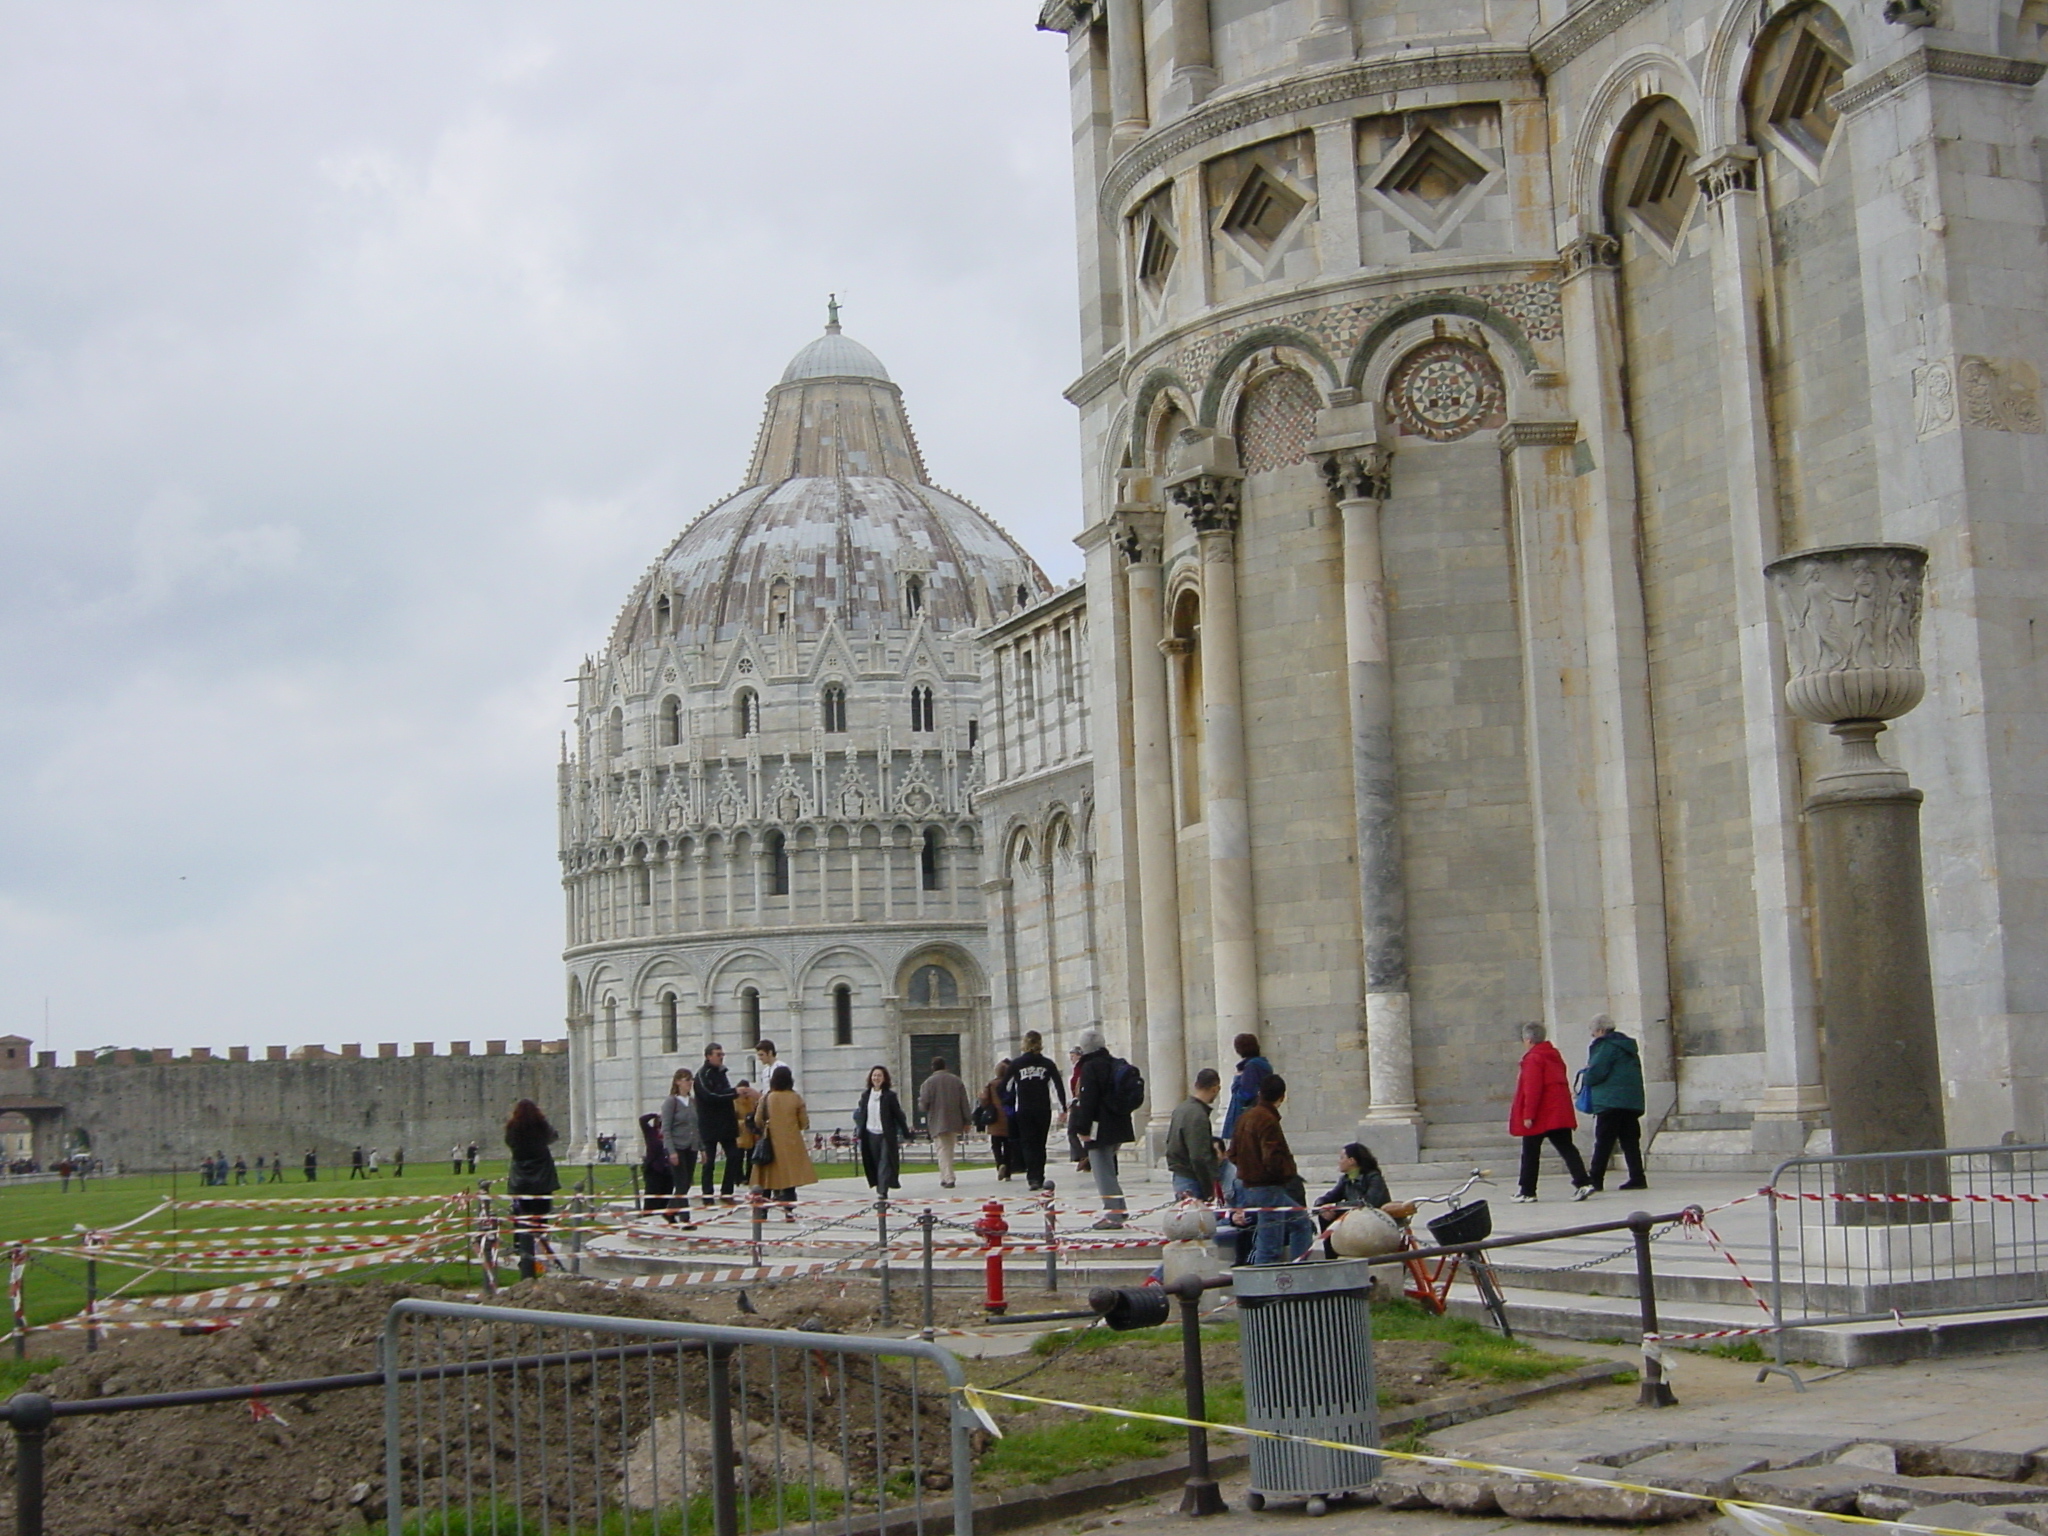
(55, 1286)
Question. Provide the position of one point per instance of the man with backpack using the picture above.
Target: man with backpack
(1110, 1091)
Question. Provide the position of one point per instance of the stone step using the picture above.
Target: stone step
(1608, 1319)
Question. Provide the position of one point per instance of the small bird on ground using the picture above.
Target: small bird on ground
(747, 1305)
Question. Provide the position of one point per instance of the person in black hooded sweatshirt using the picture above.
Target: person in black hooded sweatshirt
(1036, 1081)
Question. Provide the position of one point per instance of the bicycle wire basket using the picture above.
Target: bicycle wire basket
(1471, 1223)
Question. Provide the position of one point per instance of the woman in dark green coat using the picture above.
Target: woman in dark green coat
(1614, 1092)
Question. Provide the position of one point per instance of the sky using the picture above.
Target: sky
(355, 360)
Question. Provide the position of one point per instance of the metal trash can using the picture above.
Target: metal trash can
(1305, 1337)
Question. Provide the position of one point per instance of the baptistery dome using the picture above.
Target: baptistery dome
(768, 825)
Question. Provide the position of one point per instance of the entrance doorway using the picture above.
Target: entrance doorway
(924, 1049)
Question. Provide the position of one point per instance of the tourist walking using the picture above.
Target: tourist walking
(1272, 1182)
(1037, 1080)
(782, 1159)
(1191, 1141)
(455, 1159)
(398, 1163)
(994, 1116)
(277, 1168)
(717, 1120)
(370, 1161)
(1542, 1111)
(241, 1169)
(680, 1143)
(883, 1130)
(943, 1105)
(1244, 1087)
(531, 1182)
(1103, 1106)
(312, 1165)
(473, 1150)
(1075, 1151)
(1614, 1094)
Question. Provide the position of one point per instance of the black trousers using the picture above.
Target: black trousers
(1027, 1146)
(1532, 1152)
(727, 1142)
(1623, 1128)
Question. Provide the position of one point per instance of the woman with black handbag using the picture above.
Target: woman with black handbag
(782, 1158)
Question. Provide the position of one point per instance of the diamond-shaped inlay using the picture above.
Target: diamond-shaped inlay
(1657, 188)
(1801, 111)
(1431, 182)
(1156, 245)
(1263, 209)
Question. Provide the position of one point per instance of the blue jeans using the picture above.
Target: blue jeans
(1282, 1224)
(1185, 1188)
(1102, 1164)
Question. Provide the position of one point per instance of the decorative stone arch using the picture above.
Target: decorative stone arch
(838, 962)
(1019, 840)
(1161, 392)
(575, 999)
(657, 971)
(1416, 322)
(1745, 29)
(738, 967)
(966, 969)
(1117, 464)
(1263, 351)
(1620, 98)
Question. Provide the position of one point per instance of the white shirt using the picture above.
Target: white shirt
(875, 1110)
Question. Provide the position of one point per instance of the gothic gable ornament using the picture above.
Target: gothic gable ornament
(1446, 390)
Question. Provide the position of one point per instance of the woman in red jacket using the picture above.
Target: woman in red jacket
(1542, 1112)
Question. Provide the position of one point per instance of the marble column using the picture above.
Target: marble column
(1793, 1097)
(1617, 666)
(1194, 57)
(1129, 114)
(636, 1022)
(1332, 39)
(1206, 486)
(1356, 468)
(1140, 533)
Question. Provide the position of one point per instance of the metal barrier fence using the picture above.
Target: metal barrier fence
(1881, 1235)
(495, 1420)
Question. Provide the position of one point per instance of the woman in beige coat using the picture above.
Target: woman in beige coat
(782, 1116)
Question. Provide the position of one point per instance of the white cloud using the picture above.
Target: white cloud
(354, 361)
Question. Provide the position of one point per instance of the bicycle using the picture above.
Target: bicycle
(1429, 1280)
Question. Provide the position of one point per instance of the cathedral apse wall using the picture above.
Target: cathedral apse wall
(1450, 373)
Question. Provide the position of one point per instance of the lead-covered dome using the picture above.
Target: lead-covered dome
(837, 521)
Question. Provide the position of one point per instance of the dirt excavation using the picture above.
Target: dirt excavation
(614, 1432)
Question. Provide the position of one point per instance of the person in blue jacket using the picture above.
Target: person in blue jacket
(1252, 1070)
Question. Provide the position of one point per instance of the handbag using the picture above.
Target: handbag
(764, 1149)
(1582, 1094)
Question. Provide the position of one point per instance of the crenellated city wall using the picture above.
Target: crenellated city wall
(157, 1109)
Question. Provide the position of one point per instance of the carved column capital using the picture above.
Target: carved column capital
(1595, 252)
(1175, 645)
(1212, 501)
(1725, 171)
(1140, 534)
(1363, 473)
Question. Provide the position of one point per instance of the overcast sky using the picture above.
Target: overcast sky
(355, 359)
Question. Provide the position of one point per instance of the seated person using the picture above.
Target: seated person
(1360, 1183)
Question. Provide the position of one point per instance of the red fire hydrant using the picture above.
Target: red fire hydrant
(993, 1227)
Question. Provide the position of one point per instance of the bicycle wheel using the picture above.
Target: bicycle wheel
(1488, 1282)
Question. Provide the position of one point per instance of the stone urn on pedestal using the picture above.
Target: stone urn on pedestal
(1851, 617)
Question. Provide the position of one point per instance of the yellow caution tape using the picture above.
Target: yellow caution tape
(1762, 1519)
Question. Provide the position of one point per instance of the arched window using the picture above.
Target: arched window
(611, 1026)
(913, 596)
(834, 703)
(842, 1014)
(746, 712)
(615, 732)
(643, 878)
(778, 606)
(933, 986)
(664, 613)
(777, 849)
(973, 733)
(750, 1017)
(923, 714)
(1184, 652)
(928, 859)
(671, 1033)
(671, 721)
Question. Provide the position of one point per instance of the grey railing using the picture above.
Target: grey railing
(1866, 1237)
(739, 1428)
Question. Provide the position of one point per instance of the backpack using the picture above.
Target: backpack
(1126, 1086)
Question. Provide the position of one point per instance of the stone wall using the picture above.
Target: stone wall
(164, 1113)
